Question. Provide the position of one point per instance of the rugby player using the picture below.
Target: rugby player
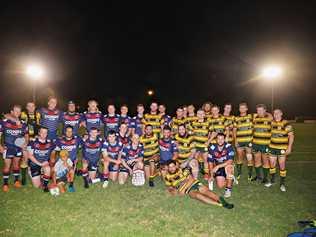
(111, 120)
(281, 144)
(181, 182)
(177, 120)
(63, 172)
(207, 106)
(186, 148)
(138, 121)
(12, 152)
(154, 118)
(229, 122)
(200, 132)
(217, 124)
(71, 118)
(39, 154)
(151, 153)
(124, 118)
(92, 118)
(167, 150)
(243, 128)
(166, 118)
(260, 143)
(51, 117)
(112, 157)
(123, 135)
(221, 156)
(32, 118)
(92, 150)
(191, 115)
(132, 159)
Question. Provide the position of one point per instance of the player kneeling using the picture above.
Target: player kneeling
(132, 159)
(181, 182)
(220, 158)
(63, 172)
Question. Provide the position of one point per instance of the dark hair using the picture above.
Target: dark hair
(182, 125)
(243, 104)
(148, 125)
(94, 128)
(111, 132)
(42, 127)
(261, 106)
(16, 106)
(172, 162)
(68, 126)
(167, 128)
(220, 134)
(228, 103)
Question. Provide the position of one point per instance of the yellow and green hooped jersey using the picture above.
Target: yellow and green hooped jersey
(155, 120)
(178, 180)
(261, 130)
(32, 121)
(200, 132)
(229, 123)
(150, 144)
(185, 146)
(279, 134)
(175, 122)
(244, 128)
(217, 125)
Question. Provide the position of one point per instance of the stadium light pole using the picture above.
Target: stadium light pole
(35, 73)
(272, 73)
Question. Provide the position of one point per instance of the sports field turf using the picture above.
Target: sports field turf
(130, 211)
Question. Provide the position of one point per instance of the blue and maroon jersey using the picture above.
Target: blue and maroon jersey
(92, 119)
(125, 140)
(167, 148)
(220, 156)
(166, 120)
(111, 122)
(92, 149)
(12, 131)
(129, 154)
(137, 124)
(73, 120)
(113, 150)
(126, 119)
(41, 150)
(72, 145)
(50, 119)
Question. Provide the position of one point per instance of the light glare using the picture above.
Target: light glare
(34, 71)
(272, 72)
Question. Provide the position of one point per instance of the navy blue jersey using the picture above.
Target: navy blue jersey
(129, 154)
(72, 145)
(125, 140)
(92, 149)
(166, 120)
(113, 150)
(92, 120)
(50, 119)
(41, 150)
(12, 131)
(73, 120)
(111, 122)
(167, 148)
(220, 156)
(137, 123)
(126, 119)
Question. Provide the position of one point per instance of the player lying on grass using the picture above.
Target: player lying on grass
(132, 159)
(220, 158)
(63, 172)
(181, 182)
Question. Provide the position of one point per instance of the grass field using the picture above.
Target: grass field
(130, 211)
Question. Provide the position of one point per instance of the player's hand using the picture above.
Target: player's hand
(2, 149)
(130, 171)
(215, 169)
(45, 163)
(288, 151)
(118, 162)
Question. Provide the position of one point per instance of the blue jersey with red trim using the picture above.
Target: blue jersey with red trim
(73, 120)
(50, 118)
(41, 150)
(111, 122)
(12, 131)
(167, 148)
(72, 145)
(125, 140)
(221, 155)
(92, 149)
(126, 119)
(92, 119)
(113, 150)
(129, 153)
(137, 124)
(166, 120)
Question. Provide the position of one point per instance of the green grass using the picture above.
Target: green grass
(130, 211)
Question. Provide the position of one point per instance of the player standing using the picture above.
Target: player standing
(229, 122)
(177, 120)
(71, 118)
(138, 121)
(124, 118)
(217, 124)
(166, 118)
(93, 117)
(154, 119)
(111, 120)
(207, 107)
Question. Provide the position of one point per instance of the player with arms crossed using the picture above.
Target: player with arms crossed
(221, 156)
(71, 118)
(280, 147)
(181, 182)
(39, 154)
(15, 140)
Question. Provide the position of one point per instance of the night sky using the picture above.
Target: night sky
(186, 53)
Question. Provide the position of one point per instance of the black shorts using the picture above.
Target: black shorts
(220, 172)
(35, 169)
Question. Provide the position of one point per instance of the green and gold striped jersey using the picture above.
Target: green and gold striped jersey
(229, 123)
(150, 144)
(217, 125)
(185, 146)
(32, 121)
(279, 134)
(178, 180)
(261, 130)
(244, 128)
(200, 132)
(175, 122)
(155, 120)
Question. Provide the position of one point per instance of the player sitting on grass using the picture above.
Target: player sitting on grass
(220, 158)
(63, 172)
(132, 159)
(181, 182)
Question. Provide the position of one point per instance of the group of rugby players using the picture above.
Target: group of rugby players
(176, 148)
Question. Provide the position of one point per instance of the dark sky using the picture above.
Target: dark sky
(187, 53)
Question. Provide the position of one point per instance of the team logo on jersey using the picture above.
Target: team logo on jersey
(248, 120)
(279, 127)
